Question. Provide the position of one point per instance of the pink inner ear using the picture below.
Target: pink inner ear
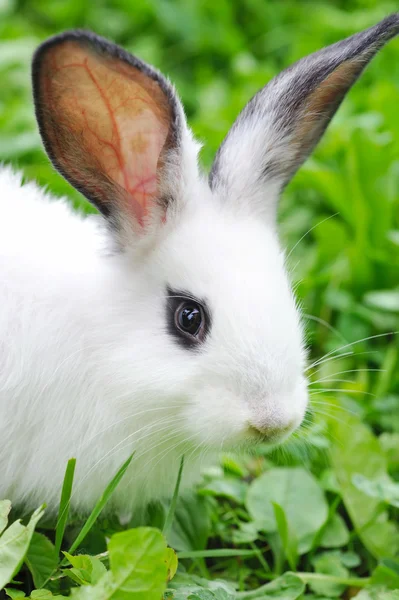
(121, 127)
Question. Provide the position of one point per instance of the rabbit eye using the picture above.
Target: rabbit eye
(188, 319)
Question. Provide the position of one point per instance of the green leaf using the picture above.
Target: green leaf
(81, 568)
(300, 496)
(383, 489)
(14, 594)
(371, 593)
(64, 504)
(171, 562)
(97, 570)
(100, 505)
(189, 587)
(191, 526)
(394, 595)
(390, 445)
(80, 561)
(41, 558)
(14, 544)
(196, 593)
(14, 146)
(329, 563)
(246, 533)
(377, 593)
(79, 576)
(233, 465)
(172, 508)
(386, 574)
(210, 595)
(86, 569)
(287, 537)
(328, 481)
(350, 559)
(138, 561)
(227, 487)
(44, 595)
(335, 534)
(384, 300)
(5, 507)
(287, 587)
(356, 450)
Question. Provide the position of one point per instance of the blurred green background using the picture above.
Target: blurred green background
(219, 53)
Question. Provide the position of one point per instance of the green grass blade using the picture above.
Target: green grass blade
(359, 582)
(218, 553)
(109, 490)
(172, 508)
(64, 503)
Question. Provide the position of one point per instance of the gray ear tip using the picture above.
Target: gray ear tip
(393, 19)
(390, 25)
(374, 38)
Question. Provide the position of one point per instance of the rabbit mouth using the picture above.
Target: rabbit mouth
(271, 436)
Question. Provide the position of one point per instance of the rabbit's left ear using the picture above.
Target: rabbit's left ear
(281, 125)
(112, 125)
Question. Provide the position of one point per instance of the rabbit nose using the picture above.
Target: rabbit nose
(273, 431)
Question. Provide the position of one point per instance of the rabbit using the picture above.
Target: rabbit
(166, 324)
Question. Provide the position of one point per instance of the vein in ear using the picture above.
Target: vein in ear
(106, 130)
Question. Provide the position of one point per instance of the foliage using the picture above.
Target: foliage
(319, 518)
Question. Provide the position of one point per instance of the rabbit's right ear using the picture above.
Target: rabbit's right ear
(113, 126)
(281, 125)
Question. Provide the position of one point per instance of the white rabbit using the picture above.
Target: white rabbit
(167, 326)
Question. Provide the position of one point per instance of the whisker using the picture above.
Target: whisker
(180, 442)
(308, 231)
(327, 359)
(330, 381)
(331, 416)
(370, 337)
(365, 370)
(112, 451)
(172, 435)
(342, 391)
(355, 371)
(188, 438)
(131, 416)
(325, 430)
(326, 324)
(202, 443)
(176, 433)
(334, 407)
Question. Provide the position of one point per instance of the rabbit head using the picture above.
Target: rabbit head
(210, 324)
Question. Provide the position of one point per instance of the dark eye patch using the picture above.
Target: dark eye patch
(188, 318)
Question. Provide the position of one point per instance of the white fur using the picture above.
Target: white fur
(87, 368)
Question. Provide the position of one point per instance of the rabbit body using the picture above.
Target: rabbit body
(65, 387)
(59, 354)
(88, 370)
(166, 326)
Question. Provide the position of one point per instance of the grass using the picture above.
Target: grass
(318, 519)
